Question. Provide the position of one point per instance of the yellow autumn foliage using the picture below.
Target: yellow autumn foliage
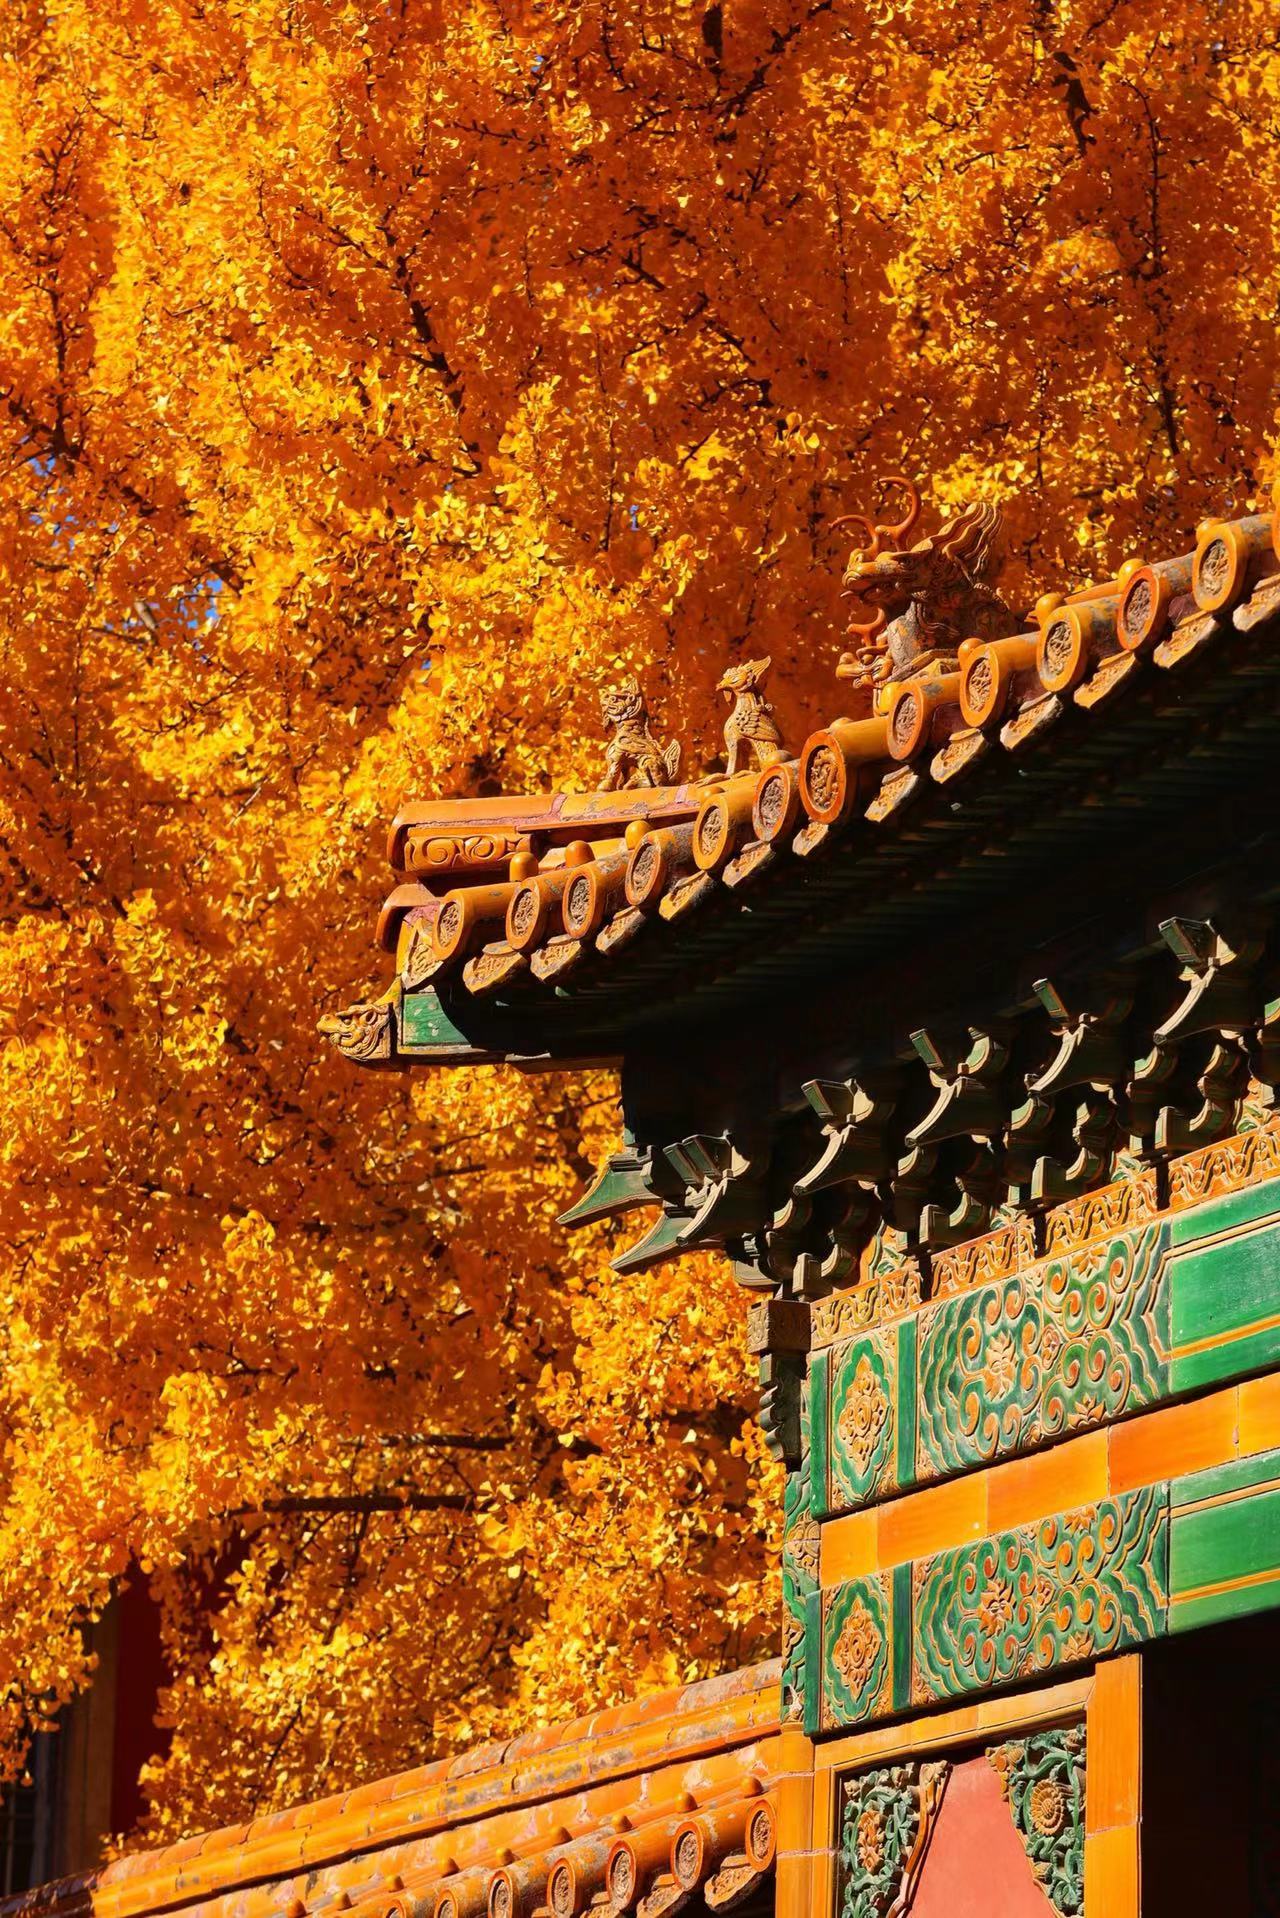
(375, 381)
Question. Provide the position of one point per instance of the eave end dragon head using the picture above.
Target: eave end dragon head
(925, 597)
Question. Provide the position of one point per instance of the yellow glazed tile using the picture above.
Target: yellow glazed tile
(1048, 1482)
(1180, 1438)
(932, 1521)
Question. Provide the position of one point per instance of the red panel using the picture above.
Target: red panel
(139, 1675)
(975, 1866)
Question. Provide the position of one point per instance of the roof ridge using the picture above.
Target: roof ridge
(531, 943)
(713, 1714)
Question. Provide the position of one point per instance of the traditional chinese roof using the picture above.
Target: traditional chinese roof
(638, 1808)
(573, 925)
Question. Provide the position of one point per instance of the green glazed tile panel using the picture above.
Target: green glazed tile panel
(820, 1366)
(981, 1375)
(1029, 1601)
(425, 1023)
(1106, 1331)
(1226, 1289)
(906, 1408)
(859, 1385)
(1224, 1547)
(1225, 1213)
(1074, 1342)
(901, 1641)
(857, 1650)
(814, 1688)
(799, 1571)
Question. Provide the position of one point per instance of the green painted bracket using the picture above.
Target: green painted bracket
(621, 1185)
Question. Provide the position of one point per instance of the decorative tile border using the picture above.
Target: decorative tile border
(1048, 1596)
(1081, 1340)
(800, 1551)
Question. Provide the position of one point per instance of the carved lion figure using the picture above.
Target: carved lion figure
(634, 757)
(925, 598)
(751, 727)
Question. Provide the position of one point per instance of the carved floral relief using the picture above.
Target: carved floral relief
(1042, 1779)
(886, 1816)
(856, 1650)
(1059, 1592)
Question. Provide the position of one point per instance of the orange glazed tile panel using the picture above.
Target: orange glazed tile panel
(1111, 1873)
(1054, 1481)
(1259, 1427)
(1176, 1439)
(1113, 1778)
(850, 1547)
(928, 1521)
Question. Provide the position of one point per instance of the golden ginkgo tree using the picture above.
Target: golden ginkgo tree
(374, 380)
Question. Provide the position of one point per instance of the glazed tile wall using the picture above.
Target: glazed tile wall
(1043, 1597)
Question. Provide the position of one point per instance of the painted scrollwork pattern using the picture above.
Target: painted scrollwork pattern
(1225, 1167)
(1077, 1341)
(841, 1313)
(1042, 1779)
(885, 1819)
(1065, 1590)
(1131, 1200)
(959, 1268)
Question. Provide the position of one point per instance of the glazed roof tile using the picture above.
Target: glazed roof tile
(563, 925)
(602, 1800)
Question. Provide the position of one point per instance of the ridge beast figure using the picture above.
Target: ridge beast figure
(751, 727)
(927, 598)
(634, 757)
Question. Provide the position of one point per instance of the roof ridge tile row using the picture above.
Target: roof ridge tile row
(342, 1835)
(516, 898)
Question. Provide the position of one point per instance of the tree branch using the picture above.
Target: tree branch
(357, 1502)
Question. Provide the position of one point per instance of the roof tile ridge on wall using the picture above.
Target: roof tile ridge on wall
(711, 1714)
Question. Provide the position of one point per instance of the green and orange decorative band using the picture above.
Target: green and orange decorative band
(1078, 1341)
(1042, 1598)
